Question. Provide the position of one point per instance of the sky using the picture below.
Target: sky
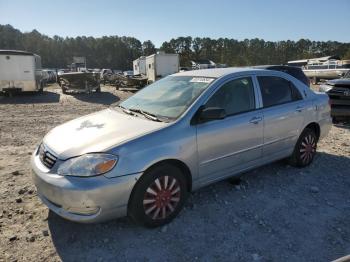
(161, 20)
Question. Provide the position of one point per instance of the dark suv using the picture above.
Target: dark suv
(338, 91)
(291, 70)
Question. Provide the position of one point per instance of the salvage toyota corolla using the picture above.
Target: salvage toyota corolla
(183, 132)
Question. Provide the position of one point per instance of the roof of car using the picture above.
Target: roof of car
(217, 72)
(275, 66)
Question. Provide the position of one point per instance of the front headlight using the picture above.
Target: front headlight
(88, 165)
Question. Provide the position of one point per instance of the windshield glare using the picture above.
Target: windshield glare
(168, 97)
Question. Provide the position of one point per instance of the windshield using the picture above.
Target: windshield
(168, 97)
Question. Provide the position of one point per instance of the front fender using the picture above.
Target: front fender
(173, 142)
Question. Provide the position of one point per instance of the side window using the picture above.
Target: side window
(295, 92)
(276, 90)
(235, 97)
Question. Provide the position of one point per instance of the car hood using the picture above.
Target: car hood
(97, 132)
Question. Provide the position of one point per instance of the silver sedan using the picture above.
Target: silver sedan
(183, 132)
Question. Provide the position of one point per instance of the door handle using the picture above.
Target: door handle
(255, 120)
(299, 108)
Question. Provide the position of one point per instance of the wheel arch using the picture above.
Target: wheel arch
(178, 163)
(315, 127)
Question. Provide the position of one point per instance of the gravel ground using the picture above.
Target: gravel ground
(274, 213)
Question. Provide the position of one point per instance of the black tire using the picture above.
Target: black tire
(153, 210)
(305, 149)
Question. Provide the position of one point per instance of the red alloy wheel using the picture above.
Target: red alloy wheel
(307, 149)
(162, 197)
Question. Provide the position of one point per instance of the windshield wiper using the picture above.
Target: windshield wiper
(146, 114)
(126, 110)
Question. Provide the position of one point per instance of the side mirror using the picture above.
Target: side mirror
(212, 113)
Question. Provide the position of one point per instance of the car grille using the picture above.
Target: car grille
(340, 91)
(46, 157)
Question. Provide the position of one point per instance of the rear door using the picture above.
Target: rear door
(225, 145)
(283, 110)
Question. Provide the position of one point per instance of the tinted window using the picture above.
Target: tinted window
(293, 71)
(276, 90)
(235, 96)
(299, 74)
(295, 92)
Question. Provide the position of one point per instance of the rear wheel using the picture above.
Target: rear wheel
(305, 149)
(158, 196)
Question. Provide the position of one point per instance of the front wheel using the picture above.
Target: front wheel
(158, 196)
(305, 149)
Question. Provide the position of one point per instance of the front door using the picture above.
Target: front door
(225, 145)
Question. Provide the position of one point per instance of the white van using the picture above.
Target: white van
(20, 71)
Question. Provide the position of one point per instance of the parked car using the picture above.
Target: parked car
(50, 76)
(183, 132)
(62, 71)
(294, 71)
(338, 91)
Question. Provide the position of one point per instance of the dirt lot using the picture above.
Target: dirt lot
(276, 213)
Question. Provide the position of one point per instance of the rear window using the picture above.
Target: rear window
(298, 74)
(295, 72)
(276, 90)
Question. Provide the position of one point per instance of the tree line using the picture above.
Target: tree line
(118, 52)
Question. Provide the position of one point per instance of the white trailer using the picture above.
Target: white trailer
(20, 71)
(160, 65)
(139, 66)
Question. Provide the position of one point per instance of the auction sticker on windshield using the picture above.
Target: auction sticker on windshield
(201, 80)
